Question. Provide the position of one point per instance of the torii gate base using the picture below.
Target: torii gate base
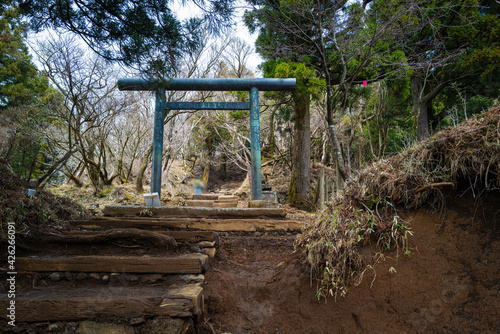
(251, 85)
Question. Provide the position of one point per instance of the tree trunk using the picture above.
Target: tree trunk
(299, 192)
(271, 139)
(56, 166)
(326, 153)
(420, 108)
(145, 163)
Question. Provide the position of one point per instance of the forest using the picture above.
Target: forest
(374, 78)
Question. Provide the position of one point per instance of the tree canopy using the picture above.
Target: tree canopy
(144, 34)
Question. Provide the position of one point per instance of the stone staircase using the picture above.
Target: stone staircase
(132, 266)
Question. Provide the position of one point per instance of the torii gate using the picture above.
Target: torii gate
(253, 85)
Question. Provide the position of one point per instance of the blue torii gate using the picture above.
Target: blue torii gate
(253, 85)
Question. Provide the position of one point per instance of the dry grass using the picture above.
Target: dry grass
(468, 154)
(44, 211)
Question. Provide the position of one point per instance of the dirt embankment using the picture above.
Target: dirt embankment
(449, 284)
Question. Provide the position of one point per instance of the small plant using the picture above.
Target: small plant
(146, 213)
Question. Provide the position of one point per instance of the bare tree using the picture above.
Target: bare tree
(91, 104)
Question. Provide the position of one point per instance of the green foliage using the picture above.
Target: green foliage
(25, 101)
(144, 34)
(307, 81)
(389, 121)
(19, 79)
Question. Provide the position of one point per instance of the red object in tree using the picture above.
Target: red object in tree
(365, 83)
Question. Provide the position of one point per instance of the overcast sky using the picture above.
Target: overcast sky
(240, 29)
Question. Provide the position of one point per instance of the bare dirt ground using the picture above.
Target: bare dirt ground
(449, 284)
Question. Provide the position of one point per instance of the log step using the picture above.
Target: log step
(184, 211)
(52, 304)
(227, 198)
(225, 204)
(205, 197)
(112, 234)
(224, 225)
(184, 264)
(200, 203)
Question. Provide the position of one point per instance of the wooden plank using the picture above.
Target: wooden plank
(183, 211)
(232, 204)
(195, 223)
(236, 225)
(200, 203)
(97, 236)
(185, 264)
(52, 304)
(153, 238)
(227, 198)
(205, 197)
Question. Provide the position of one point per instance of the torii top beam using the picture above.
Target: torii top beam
(217, 84)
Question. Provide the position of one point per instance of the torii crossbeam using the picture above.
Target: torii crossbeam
(253, 85)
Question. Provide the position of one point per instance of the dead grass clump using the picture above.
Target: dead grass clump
(366, 212)
(467, 153)
(43, 211)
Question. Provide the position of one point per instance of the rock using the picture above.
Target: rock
(105, 278)
(200, 278)
(70, 327)
(95, 276)
(91, 327)
(81, 276)
(205, 244)
(54, 277)
(54, 327)
(167, 325)
(209, 251)
(153, 278)
(257, 204)
(69, 276)
(132, 278)
(137, 321)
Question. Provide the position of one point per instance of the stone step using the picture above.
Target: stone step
(207, 224)
(183, 264)
(54, 304)
(192, 212)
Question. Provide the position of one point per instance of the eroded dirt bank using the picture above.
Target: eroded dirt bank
(449, 284)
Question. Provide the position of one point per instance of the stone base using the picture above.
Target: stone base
(257, 204)
(270, 196)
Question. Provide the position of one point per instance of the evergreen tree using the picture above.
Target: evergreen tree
(145, 34)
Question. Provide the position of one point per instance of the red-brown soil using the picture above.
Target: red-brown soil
(449, 284)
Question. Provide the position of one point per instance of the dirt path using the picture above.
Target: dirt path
(450, 284)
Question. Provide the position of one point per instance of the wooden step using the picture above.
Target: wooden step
(184, 264)
(53, 304)
(183, 211)
(227, 204)
(205, 197)
(111, 234)
(200, 203)
(207, 224)
(227, 198)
